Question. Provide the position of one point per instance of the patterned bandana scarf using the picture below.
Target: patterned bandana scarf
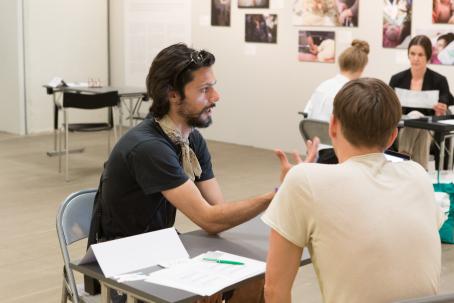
(191, 165)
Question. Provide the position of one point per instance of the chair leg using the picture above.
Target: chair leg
(59, 134)
(64, 293)
(65, 118)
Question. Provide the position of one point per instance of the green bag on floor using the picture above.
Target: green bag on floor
(447, 229)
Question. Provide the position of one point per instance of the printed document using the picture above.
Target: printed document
(419, 99)
(128, 254)
(205, 278)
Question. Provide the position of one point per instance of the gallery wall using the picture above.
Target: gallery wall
(263, 86)
(66, 39)
(11, 86)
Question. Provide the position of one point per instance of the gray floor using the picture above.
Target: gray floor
(32, 189)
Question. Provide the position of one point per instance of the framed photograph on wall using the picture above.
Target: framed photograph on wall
(261, 28)
(253, 3)
(325, 12)
(220, 12)
(443, 11)
(442, 45)
(396, 23)
(317, 46)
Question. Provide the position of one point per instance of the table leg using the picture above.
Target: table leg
(451, 149)
(105, 293)
(120, 119)
(55, 152)
(131, 113)
(441, 159)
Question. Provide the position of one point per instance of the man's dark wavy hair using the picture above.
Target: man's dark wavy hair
(171, 70)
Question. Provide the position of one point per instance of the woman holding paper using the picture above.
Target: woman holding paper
(418, 77)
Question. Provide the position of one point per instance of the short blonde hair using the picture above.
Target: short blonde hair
(354, 58)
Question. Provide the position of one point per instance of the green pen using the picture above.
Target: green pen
(223, 261)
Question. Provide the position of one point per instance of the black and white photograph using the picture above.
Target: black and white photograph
(261, 28)
(220, 12)
(253, 3)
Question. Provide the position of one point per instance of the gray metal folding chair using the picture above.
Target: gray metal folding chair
(73, 224)
(443, 298)
(310, 128)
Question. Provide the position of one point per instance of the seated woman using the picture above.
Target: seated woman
(415, 142)
(352, 62)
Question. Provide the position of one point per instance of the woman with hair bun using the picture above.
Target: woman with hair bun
(352, 62)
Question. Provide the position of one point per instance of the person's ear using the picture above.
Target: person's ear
(332, 127)
(392, 138)
(174, 96)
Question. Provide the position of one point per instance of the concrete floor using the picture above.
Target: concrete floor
(32, 189)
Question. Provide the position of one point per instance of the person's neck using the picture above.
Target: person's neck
(418, 73)
(349, 75)
(180, 124)
(348, 151)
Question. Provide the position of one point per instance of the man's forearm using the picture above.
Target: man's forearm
(227, 215)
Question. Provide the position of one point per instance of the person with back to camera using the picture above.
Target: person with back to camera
(163, 164)
(371, 225)
(412, 141)
(352, 62)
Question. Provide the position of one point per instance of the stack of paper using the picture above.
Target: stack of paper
(128, 254)
(417, 99)
(206, 278)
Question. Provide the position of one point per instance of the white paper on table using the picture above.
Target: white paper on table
(124, 255)
(420, 99)
(448, 121)
(205, 278)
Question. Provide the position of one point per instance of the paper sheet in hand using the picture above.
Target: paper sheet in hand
(205, 278)
(418, 99)
(124, 255)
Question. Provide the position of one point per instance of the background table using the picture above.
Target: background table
(130, 98)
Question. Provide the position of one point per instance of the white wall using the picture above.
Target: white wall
(67, 39)
(11, 102)
(262, 94)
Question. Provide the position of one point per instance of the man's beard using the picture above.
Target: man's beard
(195, 120)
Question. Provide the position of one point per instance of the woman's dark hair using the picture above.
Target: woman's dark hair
(449, 37)
(424, 42)
(170, 70)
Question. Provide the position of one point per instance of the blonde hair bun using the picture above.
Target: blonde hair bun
(361, 45)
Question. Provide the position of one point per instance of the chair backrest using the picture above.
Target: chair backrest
(90, 101)
(310, 128)
(74, 216)
(443, 298)
(73, 224)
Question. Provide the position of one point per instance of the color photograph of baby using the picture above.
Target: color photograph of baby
(253, 3)
(220, 12)
(325, 12)
(442, 46)
(316, 46)
(396, 23)
(443, 11)
(261, 28)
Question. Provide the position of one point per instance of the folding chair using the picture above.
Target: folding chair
(86, 101)
(310, 128)
(73, 224)
(443, 298)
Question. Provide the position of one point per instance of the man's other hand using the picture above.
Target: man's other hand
(311, 156)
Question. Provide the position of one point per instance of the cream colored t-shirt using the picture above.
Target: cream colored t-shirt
(371, 227)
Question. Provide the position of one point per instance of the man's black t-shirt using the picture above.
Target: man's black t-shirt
(142, 164)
